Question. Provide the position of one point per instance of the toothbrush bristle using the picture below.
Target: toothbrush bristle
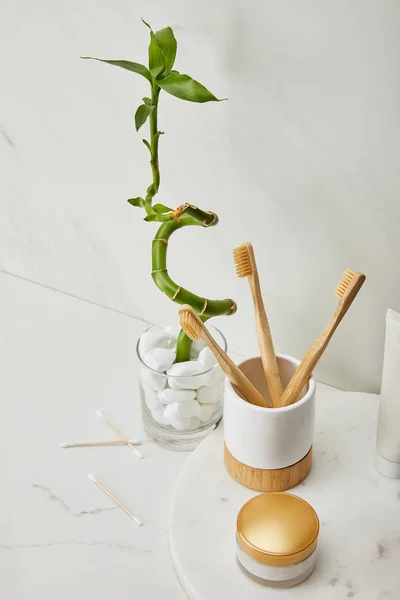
(344, 283)
(190, 322)
(241, 256)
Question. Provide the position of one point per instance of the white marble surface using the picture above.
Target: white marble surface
(302, 160)
(60, 536)
(359, 511)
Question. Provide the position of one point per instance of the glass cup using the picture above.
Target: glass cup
(179, 411)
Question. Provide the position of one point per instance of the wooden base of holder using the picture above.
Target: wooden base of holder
(268, 480)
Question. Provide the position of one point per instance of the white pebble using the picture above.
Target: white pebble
(206, 411)
(169, 395)
(186, 409)
(217, 375)
(186, 375)
(160, 359)
(185, 383)
(152, 339)
(194, 423)
(197, 346)
(172, 345)
(189, 367)
(208, 394)
(208, 377)
(172, 331)
(158, 416)
(207, 359)
(152, 401)
(177, 422)
(151, 380)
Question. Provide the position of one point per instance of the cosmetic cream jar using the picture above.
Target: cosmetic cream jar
(277, 536)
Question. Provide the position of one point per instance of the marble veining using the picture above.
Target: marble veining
(82, 513)
(110, 545)
(6, 137)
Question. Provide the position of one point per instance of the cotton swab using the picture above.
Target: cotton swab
(119, 434)
(110, 495)
(107, 443)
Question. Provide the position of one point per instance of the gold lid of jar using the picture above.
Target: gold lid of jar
(277, 529)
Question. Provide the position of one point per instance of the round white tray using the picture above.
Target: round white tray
(359, 510)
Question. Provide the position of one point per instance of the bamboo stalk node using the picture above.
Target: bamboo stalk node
(205, 224)
(203, 310)
(178, 289)
(178, 212)
(233, 308)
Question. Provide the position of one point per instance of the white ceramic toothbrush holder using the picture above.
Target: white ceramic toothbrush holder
(269, 449)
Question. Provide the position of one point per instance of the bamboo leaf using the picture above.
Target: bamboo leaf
(167, 43)
(142, 115)
(184, 87)
(155, 217)
(146, 143)
(125, 64)
(147, 25)
(161, 209)
(136, 201)
(156, 57)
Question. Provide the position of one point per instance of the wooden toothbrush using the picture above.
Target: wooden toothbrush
(194, 328)
(347, 289)
(246, 267)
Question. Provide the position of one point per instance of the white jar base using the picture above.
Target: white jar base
(272, 576)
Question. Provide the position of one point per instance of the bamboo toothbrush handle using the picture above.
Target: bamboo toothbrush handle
(309, 361)
(300, 378)
(316, 350)
(234, 374)
(265, 343)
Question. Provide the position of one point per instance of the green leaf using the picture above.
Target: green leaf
(136, 202)
(146, 143)
(156, 57)
(184, 87)
(167, 43)
(147, 101)
(142, 115)
(125, 64)
(147, 25)
(155, 217)
(161, 209)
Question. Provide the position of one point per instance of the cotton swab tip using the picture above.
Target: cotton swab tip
(99, 414)
(137, 521)
(92, 478)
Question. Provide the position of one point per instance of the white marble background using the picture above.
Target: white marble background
(302, 160)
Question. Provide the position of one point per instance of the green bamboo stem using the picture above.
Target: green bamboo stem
(184, 216)
(205, 307)
(183, 347)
